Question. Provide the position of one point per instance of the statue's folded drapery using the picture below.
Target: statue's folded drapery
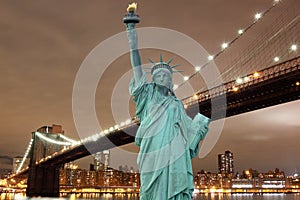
(168, 139)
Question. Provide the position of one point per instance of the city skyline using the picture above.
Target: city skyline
(43, 45)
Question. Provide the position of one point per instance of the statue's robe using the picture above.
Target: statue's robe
(168, 140)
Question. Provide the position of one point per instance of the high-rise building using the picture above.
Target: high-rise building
(102, 160)
(225, 163)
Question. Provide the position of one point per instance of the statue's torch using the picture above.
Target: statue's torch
(131, 17)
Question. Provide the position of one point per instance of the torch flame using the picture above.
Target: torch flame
(132, 7)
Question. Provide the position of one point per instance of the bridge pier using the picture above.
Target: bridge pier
(43, 181)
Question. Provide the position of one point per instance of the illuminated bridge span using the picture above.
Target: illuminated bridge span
(255, 88)
(274, 85)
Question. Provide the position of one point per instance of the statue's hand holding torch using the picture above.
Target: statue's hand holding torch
(130, 19)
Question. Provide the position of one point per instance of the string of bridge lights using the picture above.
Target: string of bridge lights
(226, 45)
(128, 122)
(68, 139)
(210, 58)
(70, 142)
(25, 156)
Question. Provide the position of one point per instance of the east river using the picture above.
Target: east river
(9, 196)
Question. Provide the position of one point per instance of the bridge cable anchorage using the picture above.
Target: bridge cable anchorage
(41, 136)
(257, 17)
(25, 156)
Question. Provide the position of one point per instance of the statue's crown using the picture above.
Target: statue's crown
(163, 65)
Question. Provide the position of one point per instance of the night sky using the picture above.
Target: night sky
(44, 43)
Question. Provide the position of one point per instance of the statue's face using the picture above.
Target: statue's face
(163, 77)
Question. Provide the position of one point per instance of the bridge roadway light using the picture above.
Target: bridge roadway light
(195, 97)
(239, 81)
(210, 57)
(246, 79)
(240, 31)
(185, 78)
(256, 74)
(235, 89)
(276, 59)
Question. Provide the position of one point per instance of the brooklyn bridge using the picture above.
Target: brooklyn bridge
(260, 84)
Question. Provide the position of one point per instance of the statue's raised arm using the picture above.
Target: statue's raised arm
(130, 20)
(168, 138)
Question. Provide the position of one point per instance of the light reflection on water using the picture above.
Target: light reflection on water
(11, 196)
(19, 196)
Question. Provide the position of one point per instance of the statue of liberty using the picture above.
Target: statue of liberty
(167, 137)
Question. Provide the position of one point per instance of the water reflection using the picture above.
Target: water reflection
(212, 196)
(78, 196)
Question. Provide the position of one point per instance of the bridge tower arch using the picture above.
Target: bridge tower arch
(43, 180)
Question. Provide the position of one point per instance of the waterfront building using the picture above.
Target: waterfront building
(4, 173)
(225, 164)
(243, 183)
(205, 179)
(102, 160)
(293, 182)
(71, 176)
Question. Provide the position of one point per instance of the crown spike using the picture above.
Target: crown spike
(175, 66)
(170, 61)
(160, 58)
(177, 71)
(151, 61)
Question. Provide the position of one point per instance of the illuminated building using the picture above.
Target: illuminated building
(225, 163)
(101, 160)
(71, 176)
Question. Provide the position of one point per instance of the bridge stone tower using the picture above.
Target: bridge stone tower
(43, 180)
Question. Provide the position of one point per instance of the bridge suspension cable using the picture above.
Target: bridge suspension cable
(226, 45)
(25, 156)
(41, 136)
(283, 30)
(68, 139)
